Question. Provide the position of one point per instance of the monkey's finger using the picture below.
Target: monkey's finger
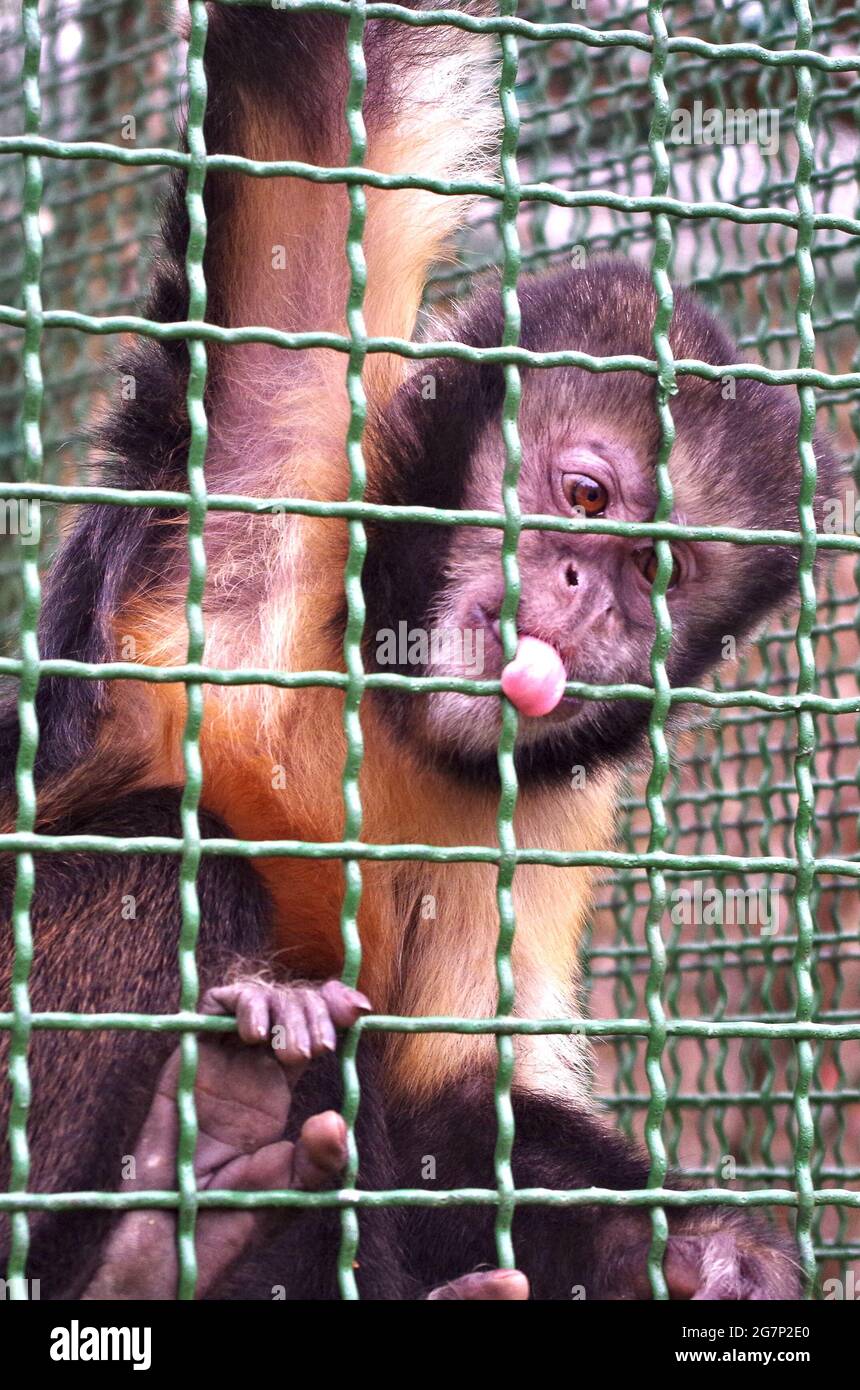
(253, 1016)
(221, 1000)
(491, 1285)
(320, 1155)
(316, 1158)
(344, 1004)
(268, 1169)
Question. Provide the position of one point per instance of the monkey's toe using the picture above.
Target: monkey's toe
(344, 1004)
(300, 1020)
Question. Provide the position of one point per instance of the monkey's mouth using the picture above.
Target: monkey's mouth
(534, 680)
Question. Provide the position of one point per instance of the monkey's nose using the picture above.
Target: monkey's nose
(569, 575)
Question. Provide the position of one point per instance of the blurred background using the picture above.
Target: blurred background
(113, 71)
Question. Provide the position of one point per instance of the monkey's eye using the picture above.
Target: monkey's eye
(585, 494)
(646, 562)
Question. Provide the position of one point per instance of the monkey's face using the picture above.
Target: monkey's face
(590, 444)
(435, 595)
(588, 597)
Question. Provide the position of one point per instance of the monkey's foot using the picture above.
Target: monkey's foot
(300, 1021)
(711, 1255)
(242, 1096)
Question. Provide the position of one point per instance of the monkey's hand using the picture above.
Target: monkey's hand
(711, 1254)
(243, 1092)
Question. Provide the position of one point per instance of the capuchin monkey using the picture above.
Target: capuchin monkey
(106, 925)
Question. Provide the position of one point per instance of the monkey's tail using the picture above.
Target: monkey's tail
(278, 89)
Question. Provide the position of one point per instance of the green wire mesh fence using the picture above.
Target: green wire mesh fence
(733, 1051)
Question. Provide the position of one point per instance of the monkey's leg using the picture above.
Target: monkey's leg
(592, 1252)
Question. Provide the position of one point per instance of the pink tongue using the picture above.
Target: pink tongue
(534, 680)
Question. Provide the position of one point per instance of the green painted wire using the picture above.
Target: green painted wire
(659, 652)
(804, 705)
(510, 605)
(522, 1027)
(355, 621)
(621, 136)
(806, 733)
(189, 330)
(25, 787)
(217, 1199)
(827, 291)
(712, 1122)
(535, 146)
(593, 38)
(371, 178)
(190, 859)
(431, 516)
(754, 1058)
(665, 861)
